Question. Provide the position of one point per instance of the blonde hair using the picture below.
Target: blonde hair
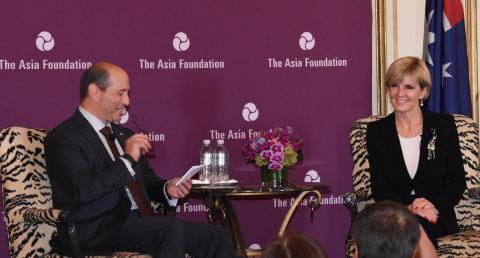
(409, 66)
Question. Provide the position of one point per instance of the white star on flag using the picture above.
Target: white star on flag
(445, 74)
(444, 70)
(431, 38)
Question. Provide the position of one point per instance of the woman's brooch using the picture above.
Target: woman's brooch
(431, 144)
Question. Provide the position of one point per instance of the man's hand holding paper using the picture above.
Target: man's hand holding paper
(178, 189)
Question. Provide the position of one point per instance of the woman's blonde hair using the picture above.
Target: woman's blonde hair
(409, 66)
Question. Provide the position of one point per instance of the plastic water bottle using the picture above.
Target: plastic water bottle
(206, 158)
(221, 162)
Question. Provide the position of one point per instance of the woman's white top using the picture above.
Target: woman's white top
(411, 153)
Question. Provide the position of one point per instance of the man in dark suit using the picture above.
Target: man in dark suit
(99, 173)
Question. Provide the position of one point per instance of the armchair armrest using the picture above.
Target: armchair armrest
(49, 216)
(34, 215)
(352, 199)
(474, 193)
(52, 217)
(56, 216)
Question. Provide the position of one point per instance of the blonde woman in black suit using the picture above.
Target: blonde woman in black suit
(414, 154)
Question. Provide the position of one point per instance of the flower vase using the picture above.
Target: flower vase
(273, 178)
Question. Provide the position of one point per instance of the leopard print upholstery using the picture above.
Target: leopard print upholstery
(463, 244)
(27, 197)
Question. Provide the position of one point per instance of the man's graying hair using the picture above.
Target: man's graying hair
(97, 74)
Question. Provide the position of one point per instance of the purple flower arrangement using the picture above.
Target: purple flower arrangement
(276, 149)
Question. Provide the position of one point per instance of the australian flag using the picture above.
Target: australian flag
(447, 58)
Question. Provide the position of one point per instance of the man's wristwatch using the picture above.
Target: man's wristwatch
(130, 159)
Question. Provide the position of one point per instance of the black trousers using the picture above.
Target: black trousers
(167, 236)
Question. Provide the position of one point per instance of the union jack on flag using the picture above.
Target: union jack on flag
(447, 58)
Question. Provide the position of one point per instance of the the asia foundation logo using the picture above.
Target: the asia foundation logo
(306, 41)
(250, 112)
(312, 177)
(181, 42)
(45, 41)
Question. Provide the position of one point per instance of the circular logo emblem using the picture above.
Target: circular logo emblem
(306, 41)
(312, 177)
(255, 247)
(45, 41)
(124, 118)
(250, 112)
(181, 42)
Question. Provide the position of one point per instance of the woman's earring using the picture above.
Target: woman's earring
(421, 102)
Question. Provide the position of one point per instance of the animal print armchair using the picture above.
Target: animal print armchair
(466, 243)
(27, 198)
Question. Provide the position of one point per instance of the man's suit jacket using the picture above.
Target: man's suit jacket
(86, 182)
(440, 180)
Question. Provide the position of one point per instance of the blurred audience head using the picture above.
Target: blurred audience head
(385, 229)
(409, 67)
(293, 246)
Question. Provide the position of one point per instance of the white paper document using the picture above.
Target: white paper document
(191, 172)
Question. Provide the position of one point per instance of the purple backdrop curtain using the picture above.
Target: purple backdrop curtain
(305, 64)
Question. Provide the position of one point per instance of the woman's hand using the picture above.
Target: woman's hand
(425, 209)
